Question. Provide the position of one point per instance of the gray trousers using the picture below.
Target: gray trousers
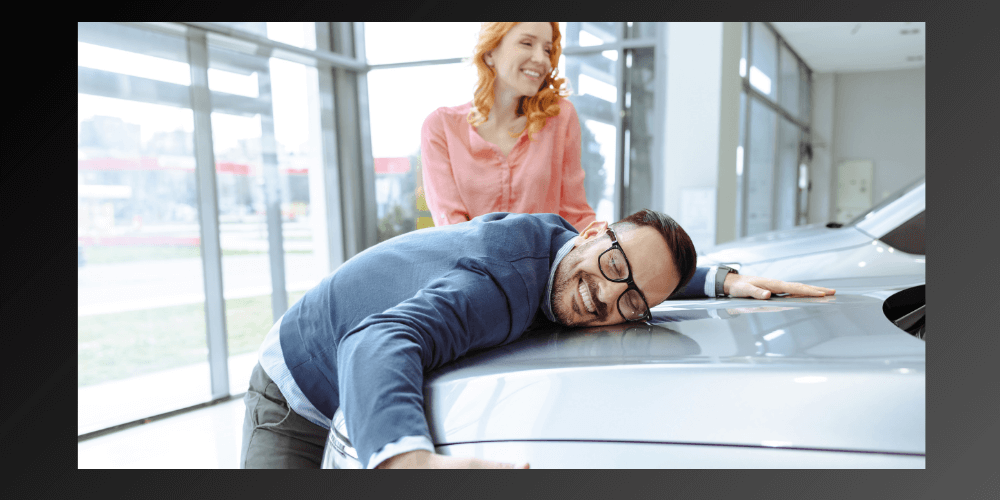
(274, 436)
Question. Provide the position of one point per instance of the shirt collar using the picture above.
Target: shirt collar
(547, 299)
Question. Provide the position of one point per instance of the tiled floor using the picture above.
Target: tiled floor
(207, 438)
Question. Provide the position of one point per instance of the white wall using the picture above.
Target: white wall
(878, 116)
(691, 144)
(731, 86)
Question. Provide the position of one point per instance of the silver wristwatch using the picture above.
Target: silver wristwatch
(720, 279)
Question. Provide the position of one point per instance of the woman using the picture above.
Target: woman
(516, 146)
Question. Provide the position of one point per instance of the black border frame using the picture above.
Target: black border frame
(962, 402)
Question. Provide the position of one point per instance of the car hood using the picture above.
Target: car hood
(778, 245)
(814, 373)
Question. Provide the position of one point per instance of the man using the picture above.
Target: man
(363, 338)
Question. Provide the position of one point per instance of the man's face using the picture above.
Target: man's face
(582, 296)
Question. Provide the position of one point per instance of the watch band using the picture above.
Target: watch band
(720, 279)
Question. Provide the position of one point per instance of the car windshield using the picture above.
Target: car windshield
(891, 198)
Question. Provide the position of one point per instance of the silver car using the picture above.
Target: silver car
(887, 240)
(831, 382)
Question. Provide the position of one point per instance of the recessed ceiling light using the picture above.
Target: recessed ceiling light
(914, 58)
(914, 31)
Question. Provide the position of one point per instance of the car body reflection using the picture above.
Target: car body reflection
(790, 382)
(810, 373)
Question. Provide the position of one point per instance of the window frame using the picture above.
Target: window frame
(753, 94)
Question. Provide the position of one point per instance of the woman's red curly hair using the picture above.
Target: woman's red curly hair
(538, 107)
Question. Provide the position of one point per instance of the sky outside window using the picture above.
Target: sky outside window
(401, 98)
(402, 42)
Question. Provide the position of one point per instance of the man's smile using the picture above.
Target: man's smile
(588, 301)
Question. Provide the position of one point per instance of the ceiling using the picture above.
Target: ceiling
(856, 47)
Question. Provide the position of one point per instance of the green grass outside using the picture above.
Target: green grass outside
(122, 345)
(113, 254)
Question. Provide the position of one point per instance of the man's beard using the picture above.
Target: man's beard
(569, 284)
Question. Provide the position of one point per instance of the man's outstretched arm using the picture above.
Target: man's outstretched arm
(703, 284)
(381, 362)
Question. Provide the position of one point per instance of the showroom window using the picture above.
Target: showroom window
(138, 221)
(773, 155)
(226, 168)
(265, 136)
(208, 202)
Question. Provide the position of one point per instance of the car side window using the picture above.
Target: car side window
(908, 237)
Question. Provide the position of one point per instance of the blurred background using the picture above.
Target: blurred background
(226, 168)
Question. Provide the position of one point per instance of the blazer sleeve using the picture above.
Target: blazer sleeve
(440, 190)
(695, 289)
(573, 206)
(381, 362)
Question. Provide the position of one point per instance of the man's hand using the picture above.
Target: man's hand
(423, 459)
(738, 285)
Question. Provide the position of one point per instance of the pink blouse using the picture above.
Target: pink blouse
(465, 176)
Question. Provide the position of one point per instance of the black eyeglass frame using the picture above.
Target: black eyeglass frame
(627, 279)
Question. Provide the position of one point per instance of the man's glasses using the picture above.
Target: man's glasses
(614, 266)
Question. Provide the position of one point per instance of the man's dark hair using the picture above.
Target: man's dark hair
(677, 239)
